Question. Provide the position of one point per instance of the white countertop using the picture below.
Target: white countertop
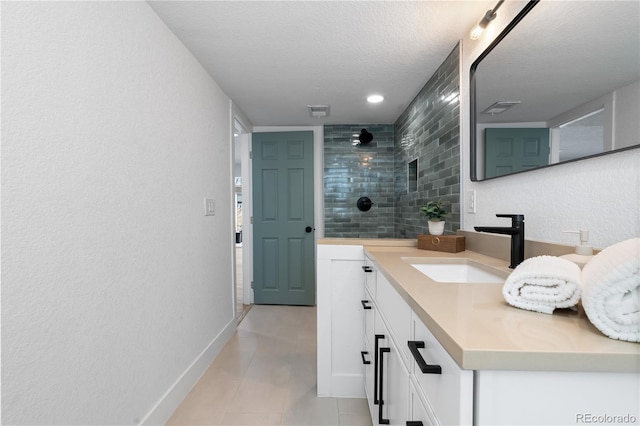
(482, 332)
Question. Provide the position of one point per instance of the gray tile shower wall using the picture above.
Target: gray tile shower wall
(351, 172)
(429, 131)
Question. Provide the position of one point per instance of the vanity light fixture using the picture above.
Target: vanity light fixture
(500, 107)
(477, 31)
(375, 99)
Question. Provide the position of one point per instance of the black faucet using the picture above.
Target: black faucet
(516, 230)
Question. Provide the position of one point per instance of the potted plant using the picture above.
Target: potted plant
(435, 213)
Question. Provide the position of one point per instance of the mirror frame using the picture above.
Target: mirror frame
(472, 95)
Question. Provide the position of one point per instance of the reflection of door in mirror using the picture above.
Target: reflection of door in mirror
(554, 70)
(511, 150)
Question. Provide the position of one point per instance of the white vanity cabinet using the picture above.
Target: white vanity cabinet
(364, 327)
(372, 344)
(409, 394)
(386, 375)
(340, 317)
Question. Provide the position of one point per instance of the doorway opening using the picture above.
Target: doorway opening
(242, 301)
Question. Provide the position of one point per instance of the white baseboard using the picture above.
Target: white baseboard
(167, 405)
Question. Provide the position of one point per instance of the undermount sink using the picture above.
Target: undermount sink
(457, 270)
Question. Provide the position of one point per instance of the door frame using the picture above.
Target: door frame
(318, 192)
(247, 258)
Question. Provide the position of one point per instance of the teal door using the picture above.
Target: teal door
(510, 150)
(283, 241)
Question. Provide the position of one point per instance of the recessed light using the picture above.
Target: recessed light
(374, 99)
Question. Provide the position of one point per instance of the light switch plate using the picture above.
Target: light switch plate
(209, 207)
(471, 201)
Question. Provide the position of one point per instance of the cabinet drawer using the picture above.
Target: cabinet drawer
(369, 276)
(397, 314)
(369, 309)
(449, 393)
(392, 380)
(368, 357)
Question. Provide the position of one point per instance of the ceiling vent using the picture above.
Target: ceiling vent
(317, 111)
(500, 107)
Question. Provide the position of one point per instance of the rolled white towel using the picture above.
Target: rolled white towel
(543, 284)
(611, 290)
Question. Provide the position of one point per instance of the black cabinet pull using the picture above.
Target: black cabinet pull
(414, 423)
(364, 361)
(424, 367)
(381, 419)
(367, 269)
(375, 367)
(364, 304)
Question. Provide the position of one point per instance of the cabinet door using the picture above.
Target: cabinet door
(346, 328)
(556, 398)
(396, 313)
(393, 383)
(339, 313)
(369, 383)
(368, 354)
(419, 414)
(450, 391)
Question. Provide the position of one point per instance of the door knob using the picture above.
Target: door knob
(308, 229)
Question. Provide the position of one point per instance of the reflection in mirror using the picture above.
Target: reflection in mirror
(561, 83)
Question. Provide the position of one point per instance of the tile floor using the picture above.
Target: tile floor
(266, 375)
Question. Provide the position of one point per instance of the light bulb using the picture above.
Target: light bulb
(476, 32)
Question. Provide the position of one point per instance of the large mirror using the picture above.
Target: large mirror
(560, 83)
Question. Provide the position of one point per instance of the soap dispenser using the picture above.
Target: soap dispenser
(584, 252)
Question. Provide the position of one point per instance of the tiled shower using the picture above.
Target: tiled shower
(424, 142)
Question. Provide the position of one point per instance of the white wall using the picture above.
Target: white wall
(116, 289)
(627, 111)
(600, 194)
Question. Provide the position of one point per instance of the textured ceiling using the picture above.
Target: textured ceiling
(275, 58)
(563, 54)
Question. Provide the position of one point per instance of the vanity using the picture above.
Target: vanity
(428, 352)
